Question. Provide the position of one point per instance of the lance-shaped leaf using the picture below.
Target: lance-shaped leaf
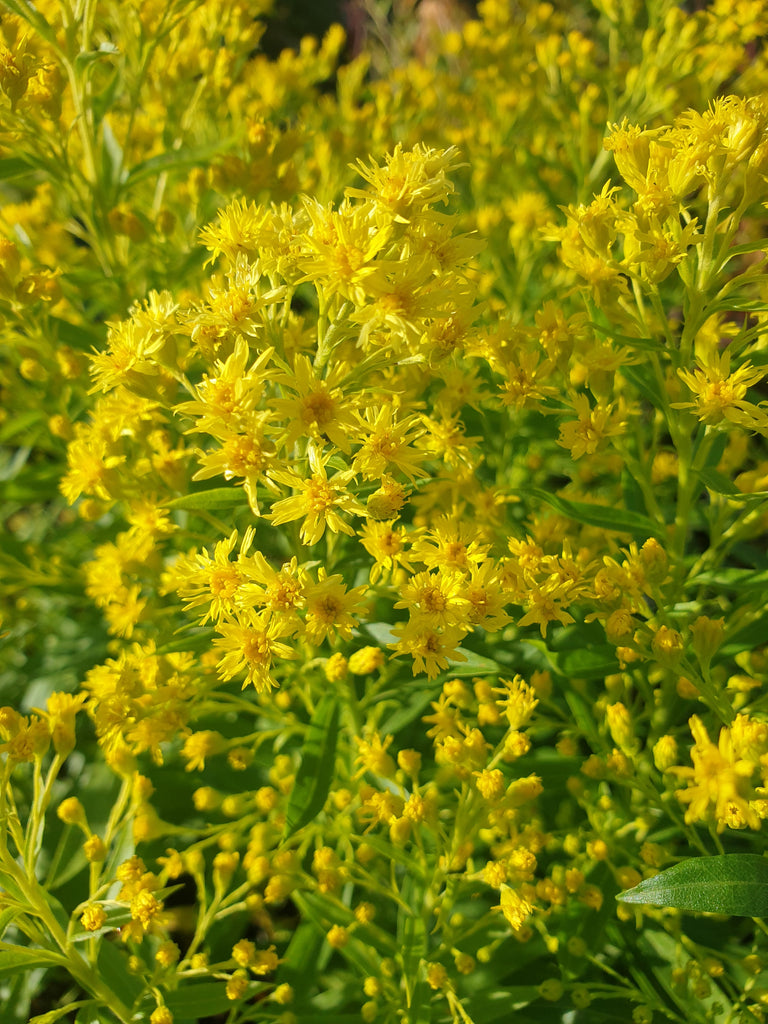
(217, 497)
(605, 517)
(315, 774)
(735, 884)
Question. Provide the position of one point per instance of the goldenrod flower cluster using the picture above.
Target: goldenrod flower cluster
(384, 467)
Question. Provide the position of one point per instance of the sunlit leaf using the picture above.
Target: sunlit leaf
(318, 762)
(735, 884)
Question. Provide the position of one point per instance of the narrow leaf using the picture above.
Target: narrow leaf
(315, 774)
(177, 160)
(646, 385)
(415, 703)
(731, 579)
(16, 959)
(718, 482)
(734, 884)
(198, 640)
(605, 517)
(14, 167)
(113, 970)
(646, 344)
(203, 1000)
(218, 497)
(85, 59)
(587, 663)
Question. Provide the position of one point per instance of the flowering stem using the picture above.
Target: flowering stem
(709, 691)
(79, 969)
(332, 336)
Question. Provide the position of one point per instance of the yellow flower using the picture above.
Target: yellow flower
(719, 781)
(280, 591)
(145, 908)
(518, 700)
(545, 604)
(319, 408)
(516, 908)
(331, 608)
(437, 597)
(61, 711)
(385, 502)
(340, 247)
(225, 401)
(365, 660)
(429, 646)
(215, 583)
(445, 439)
(372, 756)
(93, 917)
(585, 435)
(250, 643)
(385, 543)
(320, 500)
(200, 745)
(93, 462)
(246, 453)
(658, 247)
(409, 182)
(523, 375)
(450, 544)
(485, 597)
(241, 228)
(386, 443)
(720, 395)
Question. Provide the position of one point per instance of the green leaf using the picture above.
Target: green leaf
(730, 579)
(315, 774)
(53, 1015)
(320, 911)
(58, 911)
(750, 636)
(93, 1015)
(111, 157)
(302, 956)
(718, 482)
(661, 954)
(113, 970)
(605, 517)
(177, 159)
(218, 497)
(21, 423)
(200, 639)
(17, 959)
(587, 662)
(389, 851)
(583, 717)
(758, 245)
(646, 344)
(80, 336)
(473, 665)
(416, 701)
(195, 1001)
(105, 49)
(646, 385)
(6, 917)
(14, 167)
(735, 884)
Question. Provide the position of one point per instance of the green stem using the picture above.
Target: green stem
(332, 336)
(709, 690)
(80, 970)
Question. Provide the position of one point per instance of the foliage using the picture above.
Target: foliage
(384, 480)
